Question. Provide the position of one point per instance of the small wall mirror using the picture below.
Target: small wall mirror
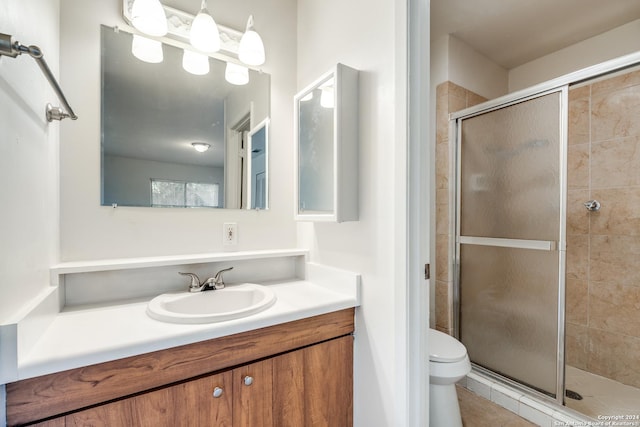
(326, 150)
(174, 139)
(316, 148)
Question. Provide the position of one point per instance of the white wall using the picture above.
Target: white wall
(28, 156)
(603, 47)
(455, 61)
(90, 231)
(474, 71)
(129, 182)
(369, 35)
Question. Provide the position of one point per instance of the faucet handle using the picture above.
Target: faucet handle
(195, 280)
(217, 279)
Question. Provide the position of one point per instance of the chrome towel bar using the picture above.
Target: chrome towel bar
(10, 48)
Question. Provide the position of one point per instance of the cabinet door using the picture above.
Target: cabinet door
(328, 383)
(118, 413)
(288, 389)
(209, 401)
(314, 386)
(192, 403)
(326, 148)
(252, 395)
(55, 422)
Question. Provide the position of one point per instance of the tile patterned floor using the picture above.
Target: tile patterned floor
(477, 411)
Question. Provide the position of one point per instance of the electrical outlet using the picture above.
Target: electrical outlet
(230, 233)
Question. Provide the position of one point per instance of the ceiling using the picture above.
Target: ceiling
(514, 32)
(155, 111)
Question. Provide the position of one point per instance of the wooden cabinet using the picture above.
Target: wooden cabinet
(310, 385)
(253, 395)
(313, 386)
(191, 404)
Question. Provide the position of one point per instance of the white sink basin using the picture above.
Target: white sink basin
(232, 302)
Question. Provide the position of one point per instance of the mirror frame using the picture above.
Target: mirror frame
(262, 126)
(345, 142)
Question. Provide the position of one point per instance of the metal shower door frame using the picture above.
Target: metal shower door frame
(559, 246)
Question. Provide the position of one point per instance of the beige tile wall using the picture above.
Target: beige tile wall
(449, 98)
(603, 248)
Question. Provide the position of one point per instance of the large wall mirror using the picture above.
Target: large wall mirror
(154, 115)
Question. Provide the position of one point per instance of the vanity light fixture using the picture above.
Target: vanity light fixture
(200, 147)
(147, 50)
(251, 49)
(204, 34)
(152, 18)
(327, 97)
(148, 17)
(236, 74)
(195, 63)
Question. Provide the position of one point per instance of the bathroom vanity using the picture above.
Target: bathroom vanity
(294, 374)
(109, 363)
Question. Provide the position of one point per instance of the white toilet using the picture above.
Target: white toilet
(448, 363)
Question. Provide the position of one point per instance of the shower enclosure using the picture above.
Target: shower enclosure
(547, 232)
(511, 239)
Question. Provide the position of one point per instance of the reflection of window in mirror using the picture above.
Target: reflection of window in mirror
(178, 194)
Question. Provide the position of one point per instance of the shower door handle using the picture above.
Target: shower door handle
(540, 245)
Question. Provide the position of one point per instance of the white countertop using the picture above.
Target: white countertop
(94, 334)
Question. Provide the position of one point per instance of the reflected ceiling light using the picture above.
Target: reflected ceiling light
(147, 50)
(204, 34)
(251, 50)
(236, 74)
(200, 147)
(327, 97)
(148, 17)
(195, 63)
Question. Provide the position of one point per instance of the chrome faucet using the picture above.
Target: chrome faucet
(211, 284)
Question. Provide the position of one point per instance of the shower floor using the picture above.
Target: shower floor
(602, 396)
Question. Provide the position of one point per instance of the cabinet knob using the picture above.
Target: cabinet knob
(248, 380)
(217, 392)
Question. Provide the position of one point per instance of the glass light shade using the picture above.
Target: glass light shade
(195, 63)
(200, 147)
(147, 50)
(148, 17)
(327, 97)
(204, 34)
(236, 74)
(251, 49)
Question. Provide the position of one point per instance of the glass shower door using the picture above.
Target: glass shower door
(509, 250)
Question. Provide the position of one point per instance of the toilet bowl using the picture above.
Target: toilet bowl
(448, 363)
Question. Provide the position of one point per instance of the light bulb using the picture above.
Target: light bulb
(236, 74)
(251, 49)
(204, 34)
(147, 50)
(148, 17)
(195, 63)
(200, 147)
(327, 97)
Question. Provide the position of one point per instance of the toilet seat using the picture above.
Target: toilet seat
(444, 348)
